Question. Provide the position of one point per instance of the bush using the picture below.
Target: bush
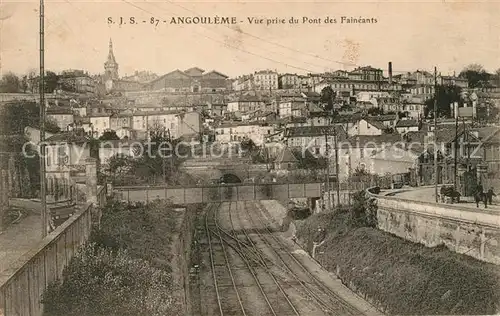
(364, 211)
(144, 230)
(99, 281)
(297, 213)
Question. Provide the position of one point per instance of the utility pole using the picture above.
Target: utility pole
(455, 154)
(43, 195)
(336, 163)
(327, 173)
(435, 138)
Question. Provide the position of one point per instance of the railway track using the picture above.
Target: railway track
(223, 296)
(260, 276)
(219, 256)
(324, 296)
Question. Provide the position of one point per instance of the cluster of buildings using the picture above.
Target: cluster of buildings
(284, 111)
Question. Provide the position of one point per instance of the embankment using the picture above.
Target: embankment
(398, 276)
(181, 247)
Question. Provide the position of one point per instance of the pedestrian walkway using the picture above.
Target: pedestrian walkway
(427, 194)
(18, 239)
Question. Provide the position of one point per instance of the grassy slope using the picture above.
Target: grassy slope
(404, 277)
(147, 234)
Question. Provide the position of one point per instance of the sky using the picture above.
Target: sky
(412, 35)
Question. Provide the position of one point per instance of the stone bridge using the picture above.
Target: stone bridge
(221, 193)
(232, 171)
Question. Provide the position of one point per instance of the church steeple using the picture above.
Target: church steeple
(111, 56)
(111, 66)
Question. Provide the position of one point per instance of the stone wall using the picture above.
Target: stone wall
(181, 248)
(472, 232)
(22, 285)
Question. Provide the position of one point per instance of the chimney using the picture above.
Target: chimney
(390, 72)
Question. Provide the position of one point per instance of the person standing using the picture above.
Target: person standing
(485, 199)
(478, 194)
(490, 194)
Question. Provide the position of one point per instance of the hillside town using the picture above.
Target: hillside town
(365, 111)
(394, 172)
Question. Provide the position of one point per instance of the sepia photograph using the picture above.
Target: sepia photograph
(249, 158)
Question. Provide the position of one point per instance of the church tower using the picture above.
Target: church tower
(111, 66)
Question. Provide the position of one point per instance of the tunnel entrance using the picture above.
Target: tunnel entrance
(230, 178)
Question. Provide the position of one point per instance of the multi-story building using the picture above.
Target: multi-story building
(313, 137)
(367, 73)
(64, 153)
(407, 125)
(292, 107)
(453, 81)
(61, 116)
(77, 81)
(243, 83)
(423, 77)
(100, 122)
(245, 104)
(425, 92)
(236, 132)
(156, 121)
(266, 80)
(289, 81)
(413, 108)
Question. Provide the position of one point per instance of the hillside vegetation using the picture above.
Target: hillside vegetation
(125, 269)
(401, 277)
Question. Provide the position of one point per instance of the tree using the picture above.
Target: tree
(16, 116)
(248, 144)
(496, 77)
(363, 211)
(10, 83)
(24, 83)
(445, 96)
(306, 160)
(326, 97)
(51, 81)
(476, 76)
(487, 112)
(109, 135)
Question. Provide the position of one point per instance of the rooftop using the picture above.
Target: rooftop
(67, 137)
(313, 131)
(407, 123)
(372, 140)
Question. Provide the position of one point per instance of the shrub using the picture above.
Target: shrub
(99, 281)
(363, 211)
(144, 230)
(299, 213)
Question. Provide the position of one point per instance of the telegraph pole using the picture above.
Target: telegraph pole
(43, 195)
(435, 138)
(336, 162)
(327, 174)
(455, 154)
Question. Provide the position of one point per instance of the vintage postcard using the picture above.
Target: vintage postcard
(164, 157)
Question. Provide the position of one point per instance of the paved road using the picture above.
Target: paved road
(426, 194)
(18, 239)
